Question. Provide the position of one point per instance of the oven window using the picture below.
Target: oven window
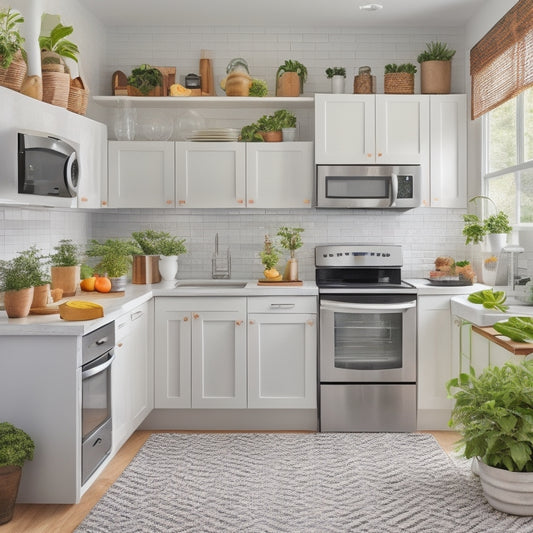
(95, 402)
(357, 187)
(368, 341)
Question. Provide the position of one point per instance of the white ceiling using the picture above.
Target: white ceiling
(295, 13)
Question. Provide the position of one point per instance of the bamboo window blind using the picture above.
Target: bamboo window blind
(501, 63)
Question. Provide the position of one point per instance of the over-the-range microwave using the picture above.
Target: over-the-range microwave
(368, 186)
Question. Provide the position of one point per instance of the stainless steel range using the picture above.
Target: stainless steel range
(367, 339)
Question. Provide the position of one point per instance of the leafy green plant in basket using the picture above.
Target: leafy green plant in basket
(393, 68)
(145, 78)
(115, 256)
(436, 51)
(16, 446)
(11, 40)
(159, 243)
(57, 43)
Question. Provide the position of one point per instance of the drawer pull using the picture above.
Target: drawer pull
(252, 322)
(181, 202)
(120, 345)
(136, 315)
(238, 322)
(195, 315)
(185, 319)
(282, 306)
(310, 322)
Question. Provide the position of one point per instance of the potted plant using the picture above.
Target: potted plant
(258, 88)
(269, 258)
(12, 55)
(290, 78)
(493, 413)
(435, 68)
(269, 126)
(65, 267)
(291, 239)
(165, 247)
(16, 447)
(400, 79)
(145, 81)
(115, 260)
(17, 276)
(288, 124)
(337, 75)
(56, 76)
(250, 133)
(36, 264)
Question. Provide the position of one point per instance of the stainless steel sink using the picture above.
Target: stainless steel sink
(211, 284)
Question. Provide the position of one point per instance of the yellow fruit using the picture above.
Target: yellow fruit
(179, 90)
(87, 284)
(271, 273)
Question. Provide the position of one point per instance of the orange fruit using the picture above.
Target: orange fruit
(87, 284)
(102, 284)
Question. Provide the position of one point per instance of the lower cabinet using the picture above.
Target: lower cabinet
(210, 353)
(132, 372)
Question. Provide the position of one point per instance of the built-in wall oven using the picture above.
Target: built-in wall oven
(367, 359)
(97, 357)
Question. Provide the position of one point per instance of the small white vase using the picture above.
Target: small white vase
(496, 241)
(289, 134)
(337, 84)
(168, 267)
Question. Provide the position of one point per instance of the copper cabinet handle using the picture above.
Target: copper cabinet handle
(307, 201)
(103, 202)
(310, 322)
(169, 202)
(120, 345)
(181, 202)
(252, 322)
(251, 201)
(84, 199)
(240, 201)
(185, 319)
(195, 315)
(379, 154)
(368, 155)
(238, 322)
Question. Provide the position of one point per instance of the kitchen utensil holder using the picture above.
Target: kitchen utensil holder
(221, 266)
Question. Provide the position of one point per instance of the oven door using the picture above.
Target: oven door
(367, 338)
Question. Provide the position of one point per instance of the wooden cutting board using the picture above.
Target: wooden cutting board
(280, 283)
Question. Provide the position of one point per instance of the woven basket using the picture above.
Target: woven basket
(13, 76)
(399, 83)
(364, 84)
(75, 99)
(156, 91)
(56, 88)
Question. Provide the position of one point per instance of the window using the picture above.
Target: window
(508, 157)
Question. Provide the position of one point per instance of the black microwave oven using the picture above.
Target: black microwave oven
(47, 166)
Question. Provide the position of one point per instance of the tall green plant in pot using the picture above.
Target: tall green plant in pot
(436, 68)
(38, 264)
(16, 447)
(65, 266)
(494, 414)
(291, 239)
(290, 78)
(17, 277)
(13, 66)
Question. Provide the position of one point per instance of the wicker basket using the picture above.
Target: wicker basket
(399, 83)
(156, 91)
(13, 76)
(56, 88)
(77, 96)
(364, 84)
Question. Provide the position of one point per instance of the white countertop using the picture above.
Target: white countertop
(424, 287)
(116, 305)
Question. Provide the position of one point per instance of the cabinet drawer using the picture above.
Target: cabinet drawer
(282, 304)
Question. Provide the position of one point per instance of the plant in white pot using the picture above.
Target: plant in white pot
(337, 75)
(494, 414)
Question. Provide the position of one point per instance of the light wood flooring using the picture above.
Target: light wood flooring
(65, 518)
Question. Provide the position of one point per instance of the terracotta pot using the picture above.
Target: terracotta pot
(9, 487)
(41, 296)
(288, 84)
(435, 77)
(272, 136)
(66, 278)
(18, 303)
(145, 269)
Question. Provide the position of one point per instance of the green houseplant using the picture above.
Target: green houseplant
(65, 267)
(12, 54)
(399, 79)
(291, 239)
(335, 71)
(435, 68)
(16, 447)
(38, 264)
(494, 414)
(259, 88)
(270, 256)
(269, 126)
(250, 133)
(290, 78)
(337, 75)
(145, 81)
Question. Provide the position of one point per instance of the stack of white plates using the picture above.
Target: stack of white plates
(215, 135)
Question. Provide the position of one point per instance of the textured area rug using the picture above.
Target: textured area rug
(284, 482)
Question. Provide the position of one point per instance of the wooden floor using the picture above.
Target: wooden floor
(65, 518)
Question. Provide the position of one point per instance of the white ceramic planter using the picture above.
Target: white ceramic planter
(337, 84)
(509, 492)
(289, 134)
(168, 267)
(496, 241)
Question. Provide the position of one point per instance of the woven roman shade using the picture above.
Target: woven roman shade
(501, 63)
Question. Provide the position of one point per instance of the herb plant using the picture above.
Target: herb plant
(335, 71)
(21, 272)
(56, 42)
(494, 413)
(258, 88)
(115, 256)
(393, 68)
(286, 118)
(475, 228)
(16, 446)
(250, 133)
(489, 299)
(436, 51)
(269, 255)
(291, 65)
(159, 243)
(145, 78)
(11, 40)
(291, 238)
(66, 254)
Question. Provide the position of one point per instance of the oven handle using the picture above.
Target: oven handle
(394, 189)
(100, 368)
(355, 307)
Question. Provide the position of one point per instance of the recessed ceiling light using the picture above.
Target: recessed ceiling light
(371, 7)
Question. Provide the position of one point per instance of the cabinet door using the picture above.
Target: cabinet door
(344, 129)
(210, 174)
(218, 359)
(172, 341)
(141, 174)
(282, 361)
(279, 175)
(448, 151)
(402, 130)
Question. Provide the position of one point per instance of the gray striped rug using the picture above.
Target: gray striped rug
(323, 482)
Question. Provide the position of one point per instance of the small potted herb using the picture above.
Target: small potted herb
(435, 68)
(12, 54)
(288, 124)
(400, 79)
(65, 267)
(270, 127)
(145, 81)
(270, 256)
(250, 133)
(258, 88)
(337, 75)
(291, 239)
(290, 78)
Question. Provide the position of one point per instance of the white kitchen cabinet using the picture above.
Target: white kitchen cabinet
(132, 374)
(282, 352)
(448, 152)
(200, 347)
(210, 174)
(141, 174)
(371, 129)
(279, 175)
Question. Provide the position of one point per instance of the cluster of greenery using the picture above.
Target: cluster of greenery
(436, 51)
(475, 228)
(56, 42)
(270, 254)
(258, 88)
(11, 40)
(16, 446)
(115, 256)
(336, 71)
(159, 243)
(67, 253)
(27, 269)
(494, 413)
(278, 120)
(393, 68)
(291, 238)
(292, 65)
(145, 78)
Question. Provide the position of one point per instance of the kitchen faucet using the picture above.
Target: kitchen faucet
(220, 264)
